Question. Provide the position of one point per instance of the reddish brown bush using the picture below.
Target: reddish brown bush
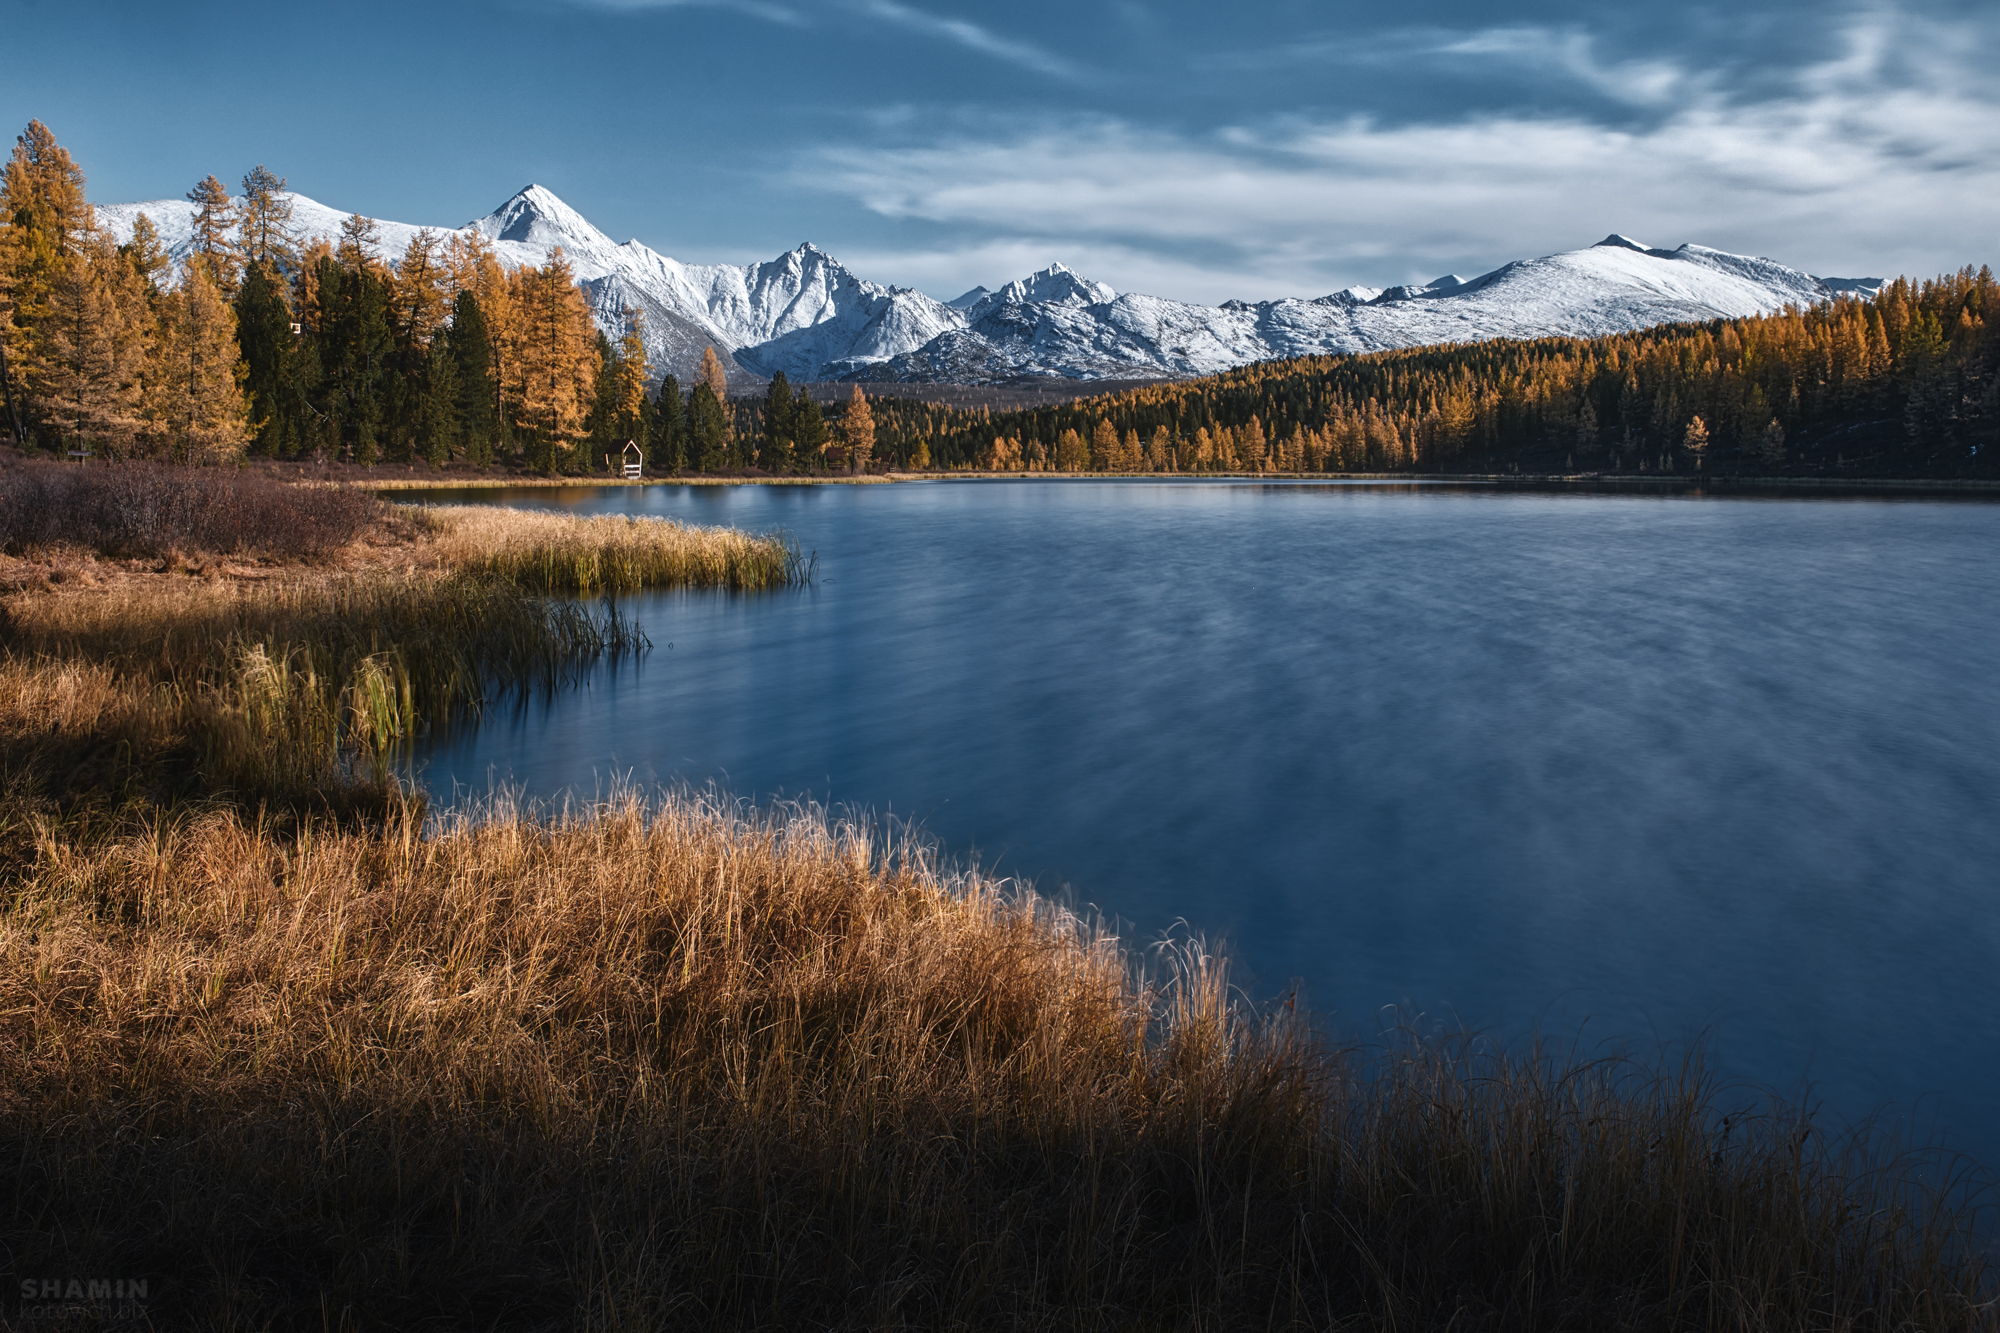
(142, 509)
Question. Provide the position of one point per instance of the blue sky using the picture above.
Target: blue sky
(1192, 150)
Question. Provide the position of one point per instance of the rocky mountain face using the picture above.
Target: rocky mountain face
(806, 314)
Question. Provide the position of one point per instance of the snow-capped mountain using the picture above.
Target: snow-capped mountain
(804, 313)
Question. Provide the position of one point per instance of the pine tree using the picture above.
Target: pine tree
(265, 221)
(472, 370)
(707, 429)
(776, 454)
(601, 425)
(354, 347)
(214, 239)
(1771, 446)
(195, 405)
(857, 431)
(1586, 429)
(438, 411)
(809, 433)
(264, 333)
(669, 453)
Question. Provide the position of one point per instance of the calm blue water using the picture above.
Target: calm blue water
(1662, 764)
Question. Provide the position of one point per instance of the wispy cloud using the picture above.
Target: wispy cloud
(1881, 159)
(758, 9)
(958, 32)
(970, 36)
(1540, 51)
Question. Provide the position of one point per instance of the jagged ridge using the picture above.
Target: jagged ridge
(806, 314)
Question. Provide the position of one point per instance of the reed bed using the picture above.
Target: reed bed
(681, 1063)
(563, 553)
(286, 691)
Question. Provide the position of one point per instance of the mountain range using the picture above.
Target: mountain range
(806, 314)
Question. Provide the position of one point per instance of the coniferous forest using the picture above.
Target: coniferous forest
(269, 346)
(1905, 383)
(264, 345)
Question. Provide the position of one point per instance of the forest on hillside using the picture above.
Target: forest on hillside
(269, 345)
(265, 344)
(1906, 382)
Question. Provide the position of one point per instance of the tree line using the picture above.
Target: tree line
(273, 345)
(1920, 363)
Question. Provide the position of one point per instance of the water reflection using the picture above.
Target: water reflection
(1665, 763)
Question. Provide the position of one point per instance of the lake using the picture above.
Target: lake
(1624, 769)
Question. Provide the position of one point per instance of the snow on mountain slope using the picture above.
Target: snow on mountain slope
(1615, 286)
(806, 314)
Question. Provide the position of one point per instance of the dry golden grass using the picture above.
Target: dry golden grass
(686, 1065)
(283, 681)
(299, 1058)
(564, 553)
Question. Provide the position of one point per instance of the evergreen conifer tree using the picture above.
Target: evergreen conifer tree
(707, 430)
(438, 411)
(776, 454)
(1771, 446)
(809, 433)
(472, 370)
(354, 347)
(669, 452)
(264, 332)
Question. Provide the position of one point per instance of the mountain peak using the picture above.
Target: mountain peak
(1058, 284)
(1623, 243)
(535, 215)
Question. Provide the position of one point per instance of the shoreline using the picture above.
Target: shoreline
(1609, 482)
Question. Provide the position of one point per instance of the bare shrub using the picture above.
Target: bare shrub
(142, 509)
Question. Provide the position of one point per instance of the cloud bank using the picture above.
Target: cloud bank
(1883, 158)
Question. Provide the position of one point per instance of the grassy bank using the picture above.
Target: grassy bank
(297, 1053)
(197, 635)
(687, 1065)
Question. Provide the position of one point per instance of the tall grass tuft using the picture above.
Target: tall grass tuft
(560, 553)
(278, 690)
(687, 1064)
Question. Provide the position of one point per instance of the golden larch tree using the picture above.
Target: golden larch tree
(554, 354)
(195, 404)
(857, 431)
